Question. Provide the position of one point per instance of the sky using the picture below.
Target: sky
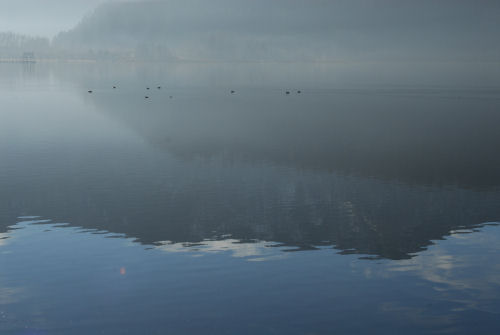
(43, 17)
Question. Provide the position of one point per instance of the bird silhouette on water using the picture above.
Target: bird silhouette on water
(114, 86)
(89, 91)
(287, 92)
(232, 92)
(159, 87)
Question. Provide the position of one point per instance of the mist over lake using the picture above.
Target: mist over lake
(235, 167)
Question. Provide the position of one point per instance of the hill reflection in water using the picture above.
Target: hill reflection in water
(90, 282)
(374, 170)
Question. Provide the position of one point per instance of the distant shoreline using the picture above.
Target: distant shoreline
(210, 61)
(16, 60)
(88, 60)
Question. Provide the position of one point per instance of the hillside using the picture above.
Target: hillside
(288, 30)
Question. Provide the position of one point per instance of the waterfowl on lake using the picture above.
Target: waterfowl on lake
(89, 91)
(287, 92)
(146, 97)
(159, 87)
(232, 92)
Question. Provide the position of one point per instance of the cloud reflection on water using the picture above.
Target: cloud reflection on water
(458, 275)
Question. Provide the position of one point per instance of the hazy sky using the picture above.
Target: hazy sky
(43, 17)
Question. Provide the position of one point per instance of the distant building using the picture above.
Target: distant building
(28, 57)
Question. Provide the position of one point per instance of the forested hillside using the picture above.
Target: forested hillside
(278, 30)
(289, 30)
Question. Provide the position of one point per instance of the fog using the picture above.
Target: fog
(43, 18)
(240, 30)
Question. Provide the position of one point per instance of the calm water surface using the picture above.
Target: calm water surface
(365, 204)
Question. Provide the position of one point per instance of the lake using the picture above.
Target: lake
(249, 198)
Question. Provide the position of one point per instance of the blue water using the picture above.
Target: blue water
(366, 204)
(58, 279)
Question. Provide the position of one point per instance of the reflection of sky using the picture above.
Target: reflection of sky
(456, 269)
(258, 251)
(3, 238)
(59, 276)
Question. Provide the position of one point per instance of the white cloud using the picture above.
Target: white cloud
(258, 251)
